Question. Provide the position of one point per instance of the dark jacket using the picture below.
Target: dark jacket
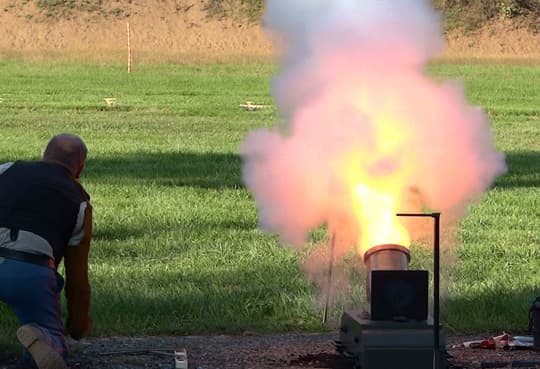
(42, 198)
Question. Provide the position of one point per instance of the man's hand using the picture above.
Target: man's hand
(78, 331)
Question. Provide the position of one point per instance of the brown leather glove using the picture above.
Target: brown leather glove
(77, 290)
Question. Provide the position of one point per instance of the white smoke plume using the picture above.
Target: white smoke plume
(357, 104)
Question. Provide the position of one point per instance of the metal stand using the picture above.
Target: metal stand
(375, 344)
(436, 281)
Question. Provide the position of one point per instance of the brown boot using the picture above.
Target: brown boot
(43, 354)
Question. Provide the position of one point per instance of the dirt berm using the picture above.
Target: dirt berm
(184, 31)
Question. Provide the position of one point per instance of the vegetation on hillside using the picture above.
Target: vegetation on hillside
(466, 14)
(470, 14)
(250, 9)
(66, 8)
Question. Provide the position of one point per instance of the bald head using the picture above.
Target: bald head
(69, 150)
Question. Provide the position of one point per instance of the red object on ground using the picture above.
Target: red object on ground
(488, 344)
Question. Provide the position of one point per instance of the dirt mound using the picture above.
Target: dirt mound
(500, 38)
(184, 31)
(161, 31)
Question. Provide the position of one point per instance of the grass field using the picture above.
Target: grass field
(176, 247)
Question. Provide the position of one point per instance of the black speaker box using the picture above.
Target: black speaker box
(399, 295)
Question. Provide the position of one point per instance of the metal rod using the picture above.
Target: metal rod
(436, 280)
(436, 283)
(329, 278)
(416, 214)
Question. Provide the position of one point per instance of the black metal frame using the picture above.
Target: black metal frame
(436, 280)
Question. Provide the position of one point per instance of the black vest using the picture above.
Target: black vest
(41, 198)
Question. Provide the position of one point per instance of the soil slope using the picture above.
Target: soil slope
(182, 31)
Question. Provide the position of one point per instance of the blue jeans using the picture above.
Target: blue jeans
(33, 293)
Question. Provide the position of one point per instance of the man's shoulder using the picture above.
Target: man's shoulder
(5, 166)
(21, 164)
(86, 195)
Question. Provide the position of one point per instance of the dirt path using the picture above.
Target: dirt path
(290, 351)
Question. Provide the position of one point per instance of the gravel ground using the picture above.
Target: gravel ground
(291, 351)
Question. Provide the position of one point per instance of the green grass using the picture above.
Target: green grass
(497, 272)
(176, 247)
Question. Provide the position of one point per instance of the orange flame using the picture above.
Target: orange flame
(376, 213)
(377, 188)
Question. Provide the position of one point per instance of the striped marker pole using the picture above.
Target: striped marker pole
(329, 277)
(130, 55)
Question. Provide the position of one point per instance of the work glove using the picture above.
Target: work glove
(77, 289)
